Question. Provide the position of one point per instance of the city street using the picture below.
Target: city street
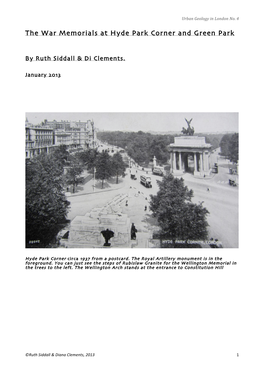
(217, 196)
(222, 202)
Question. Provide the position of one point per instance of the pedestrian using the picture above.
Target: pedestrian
(133, 232)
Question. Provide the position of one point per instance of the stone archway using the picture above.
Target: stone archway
(190, 154)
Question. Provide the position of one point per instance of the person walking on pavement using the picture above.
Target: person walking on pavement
(133, 232)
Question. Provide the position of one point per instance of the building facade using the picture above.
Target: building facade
(48, 135)
(38, 140)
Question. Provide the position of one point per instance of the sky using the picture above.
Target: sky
(157, 122)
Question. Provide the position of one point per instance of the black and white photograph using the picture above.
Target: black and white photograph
(132, 180)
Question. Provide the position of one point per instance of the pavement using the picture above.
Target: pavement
(91, 195)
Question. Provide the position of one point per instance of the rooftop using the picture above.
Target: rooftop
(190, 142)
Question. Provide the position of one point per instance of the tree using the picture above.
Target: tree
(233, 148)
(46, 205)
(88, 158)
(159, 149)
(139, 145)
(74, 171)
(118, 166)
(103, 167)
(138, 149)
(177, 216)
(60, 154)
(224, 145)
(229, 147)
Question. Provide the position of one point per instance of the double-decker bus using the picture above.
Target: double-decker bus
(158, 171)
(146, 181)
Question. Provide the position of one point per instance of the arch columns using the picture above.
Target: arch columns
(180, 161)
(173, 162)
(176, 163)
(195, 161)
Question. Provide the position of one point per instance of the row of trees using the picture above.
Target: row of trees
(143, 146)
(139, 145)
(47, 178)
(103, 164)
(229, 147)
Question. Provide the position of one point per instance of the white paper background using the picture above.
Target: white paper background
(171, 322)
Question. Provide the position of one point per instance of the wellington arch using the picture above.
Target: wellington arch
(190, 154)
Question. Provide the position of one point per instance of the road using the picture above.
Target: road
(221, 201)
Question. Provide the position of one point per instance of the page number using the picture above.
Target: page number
(237, 354)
